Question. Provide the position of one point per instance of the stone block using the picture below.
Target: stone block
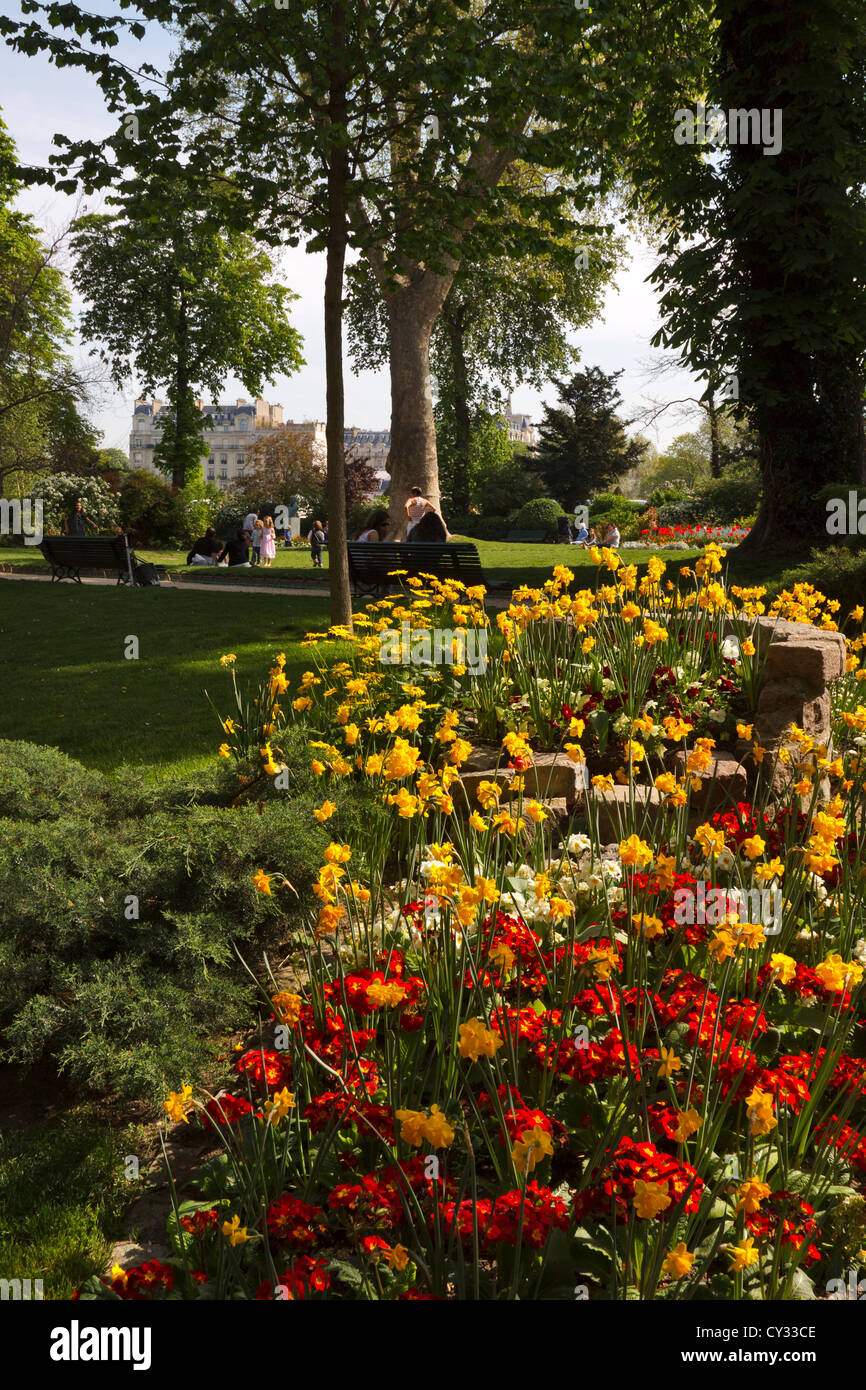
(726, 781)
(612, 808)
(551, 777)
(815, 662)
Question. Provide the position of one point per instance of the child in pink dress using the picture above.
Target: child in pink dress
(269, 542)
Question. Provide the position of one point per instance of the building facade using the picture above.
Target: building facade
(374, 445)
(520, 428)
(231, 434)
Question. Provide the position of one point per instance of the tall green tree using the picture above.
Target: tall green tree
(391, 128)
(583, 444)
(40, 390)
(766, 256)
(505, 322)
(180, 300)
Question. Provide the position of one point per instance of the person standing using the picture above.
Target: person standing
(317, 540)
(269, 542)
(258, 528)
(76, 521)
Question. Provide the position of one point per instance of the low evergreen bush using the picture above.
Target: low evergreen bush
(123, 909)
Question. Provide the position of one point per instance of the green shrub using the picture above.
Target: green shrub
(539, 515)
(43, 784)
(60, 491)
(610, 507)
(150, 509)
(125, 1002)
(839, 571)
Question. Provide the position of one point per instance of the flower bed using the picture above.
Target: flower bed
(687, 537)
(520, 1060)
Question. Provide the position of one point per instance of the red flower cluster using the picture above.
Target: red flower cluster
(265, 1067)
(225, 1110)
(378, 1198)
(613, 1185)
(142, 1281)
(333, 1107)
(305, 1276)
(200, 1222)
(786, 1213)
(500, 1221)
(295, 1222)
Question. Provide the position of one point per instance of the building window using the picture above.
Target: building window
(138, 443)
(223, 462)
(138, 458)
(242, 425)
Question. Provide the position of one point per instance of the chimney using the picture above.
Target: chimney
(157, 405)
(241, 400)
(276, 414)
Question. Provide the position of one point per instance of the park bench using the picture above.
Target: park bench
(370, 563)
(69, 555)
(526, 537)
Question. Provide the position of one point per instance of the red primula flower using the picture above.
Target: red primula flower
(295, 1222)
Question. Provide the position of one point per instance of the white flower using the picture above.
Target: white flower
(512, 902)
(725, 860)
(859, 951)
(578, 844)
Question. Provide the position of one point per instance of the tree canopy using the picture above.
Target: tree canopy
(583, 444)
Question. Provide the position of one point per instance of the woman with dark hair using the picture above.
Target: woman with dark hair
(375, 529)
(237, 550)
(205, 550)
(430, 528)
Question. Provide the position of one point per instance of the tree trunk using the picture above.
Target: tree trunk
(181, 393)
(715, 443)
(412, 460)
(462, 416)
(338, 178)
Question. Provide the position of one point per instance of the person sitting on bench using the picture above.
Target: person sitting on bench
(375, 528)
(237, 549)
(431, 527)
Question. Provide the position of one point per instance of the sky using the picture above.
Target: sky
(38, 99)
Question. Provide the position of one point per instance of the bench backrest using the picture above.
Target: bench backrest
(86, 552)
(369, 561)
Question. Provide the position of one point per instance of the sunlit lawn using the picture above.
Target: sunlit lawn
(67, 683)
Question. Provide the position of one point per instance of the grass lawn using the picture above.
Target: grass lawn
(68, 684)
